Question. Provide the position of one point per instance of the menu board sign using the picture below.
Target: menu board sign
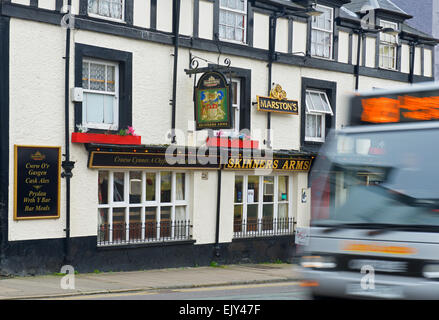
(37, 182)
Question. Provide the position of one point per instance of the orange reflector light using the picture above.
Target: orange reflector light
(377, 248)
(309, 283)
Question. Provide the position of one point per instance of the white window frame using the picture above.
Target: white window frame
(317, 113)
(96, 15)
(331, 32)
(261, 203)
(384, 43)
(103, 126)
(143, 204)
(244, 13)
(236, 108)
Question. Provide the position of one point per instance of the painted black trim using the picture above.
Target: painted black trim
(250, 24)
(196, 19)
(153, 15)
(83, 7)
(58, 5)
(331, 90)
(4, 132)
(33, 3)
(138, 33)
(350, 48)
(363, 49)
(335, 34)
(125, 60)
(215, 28)
(87, 257)
(290, 35)
(129, 12)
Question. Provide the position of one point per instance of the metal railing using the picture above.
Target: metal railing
(263, 227)
(122, 233)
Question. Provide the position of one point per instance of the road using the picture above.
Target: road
(257, 292)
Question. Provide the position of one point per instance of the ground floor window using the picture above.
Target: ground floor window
(262, 205)
(142, 206)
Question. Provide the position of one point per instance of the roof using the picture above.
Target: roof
(352, 10)
(359, 5)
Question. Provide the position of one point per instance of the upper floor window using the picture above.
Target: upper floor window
(107, 8)
(388, 46)
(317, 107)
(100, 106)
(233, 20)
(322, 29)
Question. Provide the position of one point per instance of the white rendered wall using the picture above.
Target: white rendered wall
(428, 63)
(370, 52)
(299, 37)
(142, 13)
(261, 31)
(282, 35)
(343, 47)
(47, 4)
(164, 15)
(186, 17)
(405, 58)
(23, 2)
(205, 25)
(36, 109)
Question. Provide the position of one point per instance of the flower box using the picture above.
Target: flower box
(232, 143)
(85, 137)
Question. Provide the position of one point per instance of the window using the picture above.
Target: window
(100, 81)
(107, 8)
(388, 46)
(140, 206)
(322, 33)
(262, 205)
(317, 107)
(233, 20)
(236, 102)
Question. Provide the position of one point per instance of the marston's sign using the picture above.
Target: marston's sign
(37, 182)
(277, 102)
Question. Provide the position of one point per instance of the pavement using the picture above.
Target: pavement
(51, 286)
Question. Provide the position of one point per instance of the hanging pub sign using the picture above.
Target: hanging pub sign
(37, 182)
(277, 102)
(212, 102)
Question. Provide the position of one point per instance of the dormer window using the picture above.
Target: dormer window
(388, 46)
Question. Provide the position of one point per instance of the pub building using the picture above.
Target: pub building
(163, 133)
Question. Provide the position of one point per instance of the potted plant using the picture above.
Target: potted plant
(124, 136)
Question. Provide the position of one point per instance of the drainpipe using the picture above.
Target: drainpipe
(218, 211)
(67, 164)
(412, 60)
(357, 67)
(271, 58)
(176, 25)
